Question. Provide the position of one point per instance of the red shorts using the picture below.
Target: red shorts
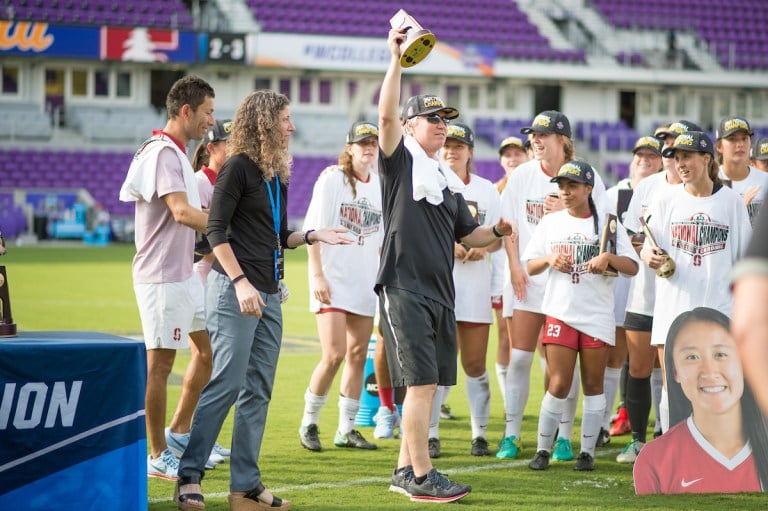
(557, 332)
(331, 309)
(497, 302)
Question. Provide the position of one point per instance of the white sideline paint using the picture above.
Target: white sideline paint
(385, 480)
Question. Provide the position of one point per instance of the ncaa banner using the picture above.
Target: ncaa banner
(72, 431)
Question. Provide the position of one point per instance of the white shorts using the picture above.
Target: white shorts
(169, 311)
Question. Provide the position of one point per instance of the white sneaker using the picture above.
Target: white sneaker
(165, 466)
(630, 452)
(221, 450)
(386, 421)
(178, 442)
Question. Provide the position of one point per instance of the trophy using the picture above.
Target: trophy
(7, 326)
(667, 269)
(418, 40)
(608, 242)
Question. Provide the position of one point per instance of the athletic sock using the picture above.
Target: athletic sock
(479, 398)
(549, 420)
(516, 390)
(501, 379)
(657, 383)
(664, 410)
(387, 397)
(312, 406)
(593, 410)
(348, 409)
(611, 388)
(638, 405)
(434, 419)
(569, 410)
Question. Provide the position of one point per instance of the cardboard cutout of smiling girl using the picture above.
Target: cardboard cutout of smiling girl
(718, 440)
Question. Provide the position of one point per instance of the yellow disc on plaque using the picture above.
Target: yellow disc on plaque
(416, 47)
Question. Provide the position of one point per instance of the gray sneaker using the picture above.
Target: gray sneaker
(353, 439)
(436, 488)
(400, 478)
(540, 461)
(434, 447)
(584, 462)
(310, 438)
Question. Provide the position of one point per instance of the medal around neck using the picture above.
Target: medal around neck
(418, 40)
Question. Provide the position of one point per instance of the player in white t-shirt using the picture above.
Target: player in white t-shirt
(703, 226)
(341, 281)
(646, 161)
(528, 196)
(734, 144)
(578, 304)
(472, 282)
(513, 152)
(759, 157)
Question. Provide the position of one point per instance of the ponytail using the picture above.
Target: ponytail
(201, 157)
(345, 162)
(593, 209)
(714, 171)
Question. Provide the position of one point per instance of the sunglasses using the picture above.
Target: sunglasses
(436, 119)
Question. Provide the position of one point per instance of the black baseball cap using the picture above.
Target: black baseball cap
(360, 131)
(549, 121)
(462, 133)
(760, 149)
(218, 132)
(676, 128)
(650, 143)
(695, 141)
(576, 170)
(731, 125)
(426, 104)
(511, 142)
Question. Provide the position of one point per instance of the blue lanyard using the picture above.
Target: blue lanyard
(275, 204)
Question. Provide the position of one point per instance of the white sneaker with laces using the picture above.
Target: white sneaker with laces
(386, 421)
(165, 466)
(221, 450)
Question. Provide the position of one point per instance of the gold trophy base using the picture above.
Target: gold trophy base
(416, 47)
(667, 269)
(610, 271)
(8, 330)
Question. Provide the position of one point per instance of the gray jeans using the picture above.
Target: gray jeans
(245, 352)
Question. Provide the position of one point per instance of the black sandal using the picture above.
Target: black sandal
(249, 501)
(183, 499)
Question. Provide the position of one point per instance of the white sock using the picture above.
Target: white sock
(610, 388)
(657, 383)
(501, 379)
(664, 410)
(549, 420)
(444, 397)
(434, 420)
(348, 409)
(593, 410)
(312, 406)
(479, 398)
(569, 410)
(516, 390)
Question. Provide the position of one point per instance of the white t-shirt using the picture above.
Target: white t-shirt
(472, 279)
(582, 300)
(349, 269)
(621, 288)
(642, 288)
(705, 236)
(522, 201)
(755, 178)
(205, 189)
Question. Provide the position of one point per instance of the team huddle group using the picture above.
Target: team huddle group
(403, 230)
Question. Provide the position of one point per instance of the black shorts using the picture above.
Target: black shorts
(637, 322)
(419, 337)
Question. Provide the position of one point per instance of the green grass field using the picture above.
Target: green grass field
(90, 289)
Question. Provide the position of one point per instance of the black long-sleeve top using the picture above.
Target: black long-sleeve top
(241, 215)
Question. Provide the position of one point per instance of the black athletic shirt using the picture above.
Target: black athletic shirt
(241, 215)
(417, 255)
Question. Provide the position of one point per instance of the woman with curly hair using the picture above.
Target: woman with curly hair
(247, 228)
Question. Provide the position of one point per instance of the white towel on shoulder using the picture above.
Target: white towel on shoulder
(141, 180)
(430, 176)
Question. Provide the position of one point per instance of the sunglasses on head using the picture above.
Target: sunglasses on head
(436, 119)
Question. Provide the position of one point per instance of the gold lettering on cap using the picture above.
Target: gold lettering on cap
(542, 120)
(457, 131)
(684, 139)
(569, 169)
(735, 124)
(366, 129)
(430, 101)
